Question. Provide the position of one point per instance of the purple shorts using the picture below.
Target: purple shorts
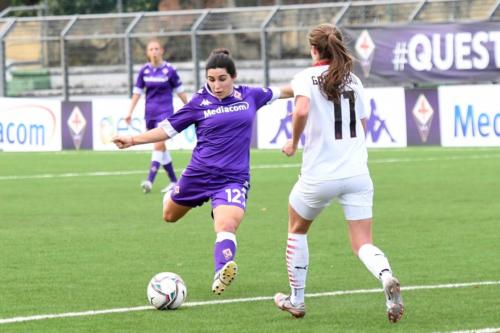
(152, 123)
(194, 191)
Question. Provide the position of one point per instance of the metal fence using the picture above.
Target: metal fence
(100, 54)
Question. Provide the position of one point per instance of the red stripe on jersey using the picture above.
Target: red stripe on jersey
(322, 63)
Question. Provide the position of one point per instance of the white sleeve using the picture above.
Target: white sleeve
(137, 90)
(167, 127)
(179, 89)
(276, 94)
(301, 86)
(360, 103)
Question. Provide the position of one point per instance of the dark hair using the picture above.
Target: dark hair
(219, 58)
(327, 40)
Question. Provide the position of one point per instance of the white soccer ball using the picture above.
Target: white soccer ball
(166, 291)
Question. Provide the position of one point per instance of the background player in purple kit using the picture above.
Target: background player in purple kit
(223, 114)
(159, 80)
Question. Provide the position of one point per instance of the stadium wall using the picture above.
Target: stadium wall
(448, 116)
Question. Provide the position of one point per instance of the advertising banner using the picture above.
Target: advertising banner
(427, 53)
(422, 117)
(108, 121)
(76, 125)
(386, 122)
(274, 124)
(30, 125)
(470, 115)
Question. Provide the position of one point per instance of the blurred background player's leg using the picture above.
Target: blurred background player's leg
(169, 168)
(156, 159)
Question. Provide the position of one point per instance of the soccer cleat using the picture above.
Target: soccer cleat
(395, 307)
(284, 303)
(224, 277)
(168, 187)
(146, 186)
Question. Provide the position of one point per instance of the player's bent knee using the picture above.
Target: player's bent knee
(226, 225)
(226, 228)
(169, 217)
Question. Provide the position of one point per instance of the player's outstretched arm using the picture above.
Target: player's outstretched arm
(154, 135)
(286, 91)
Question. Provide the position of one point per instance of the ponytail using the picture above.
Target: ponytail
(328, 42)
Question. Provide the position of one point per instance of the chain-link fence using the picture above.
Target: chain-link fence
(100, 54)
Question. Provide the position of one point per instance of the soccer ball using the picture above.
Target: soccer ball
(166, 291)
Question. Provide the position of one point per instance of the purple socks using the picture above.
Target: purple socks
(153, 170)
(169, 168)
(224, 249)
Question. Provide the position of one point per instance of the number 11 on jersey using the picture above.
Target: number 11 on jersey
(338, 115)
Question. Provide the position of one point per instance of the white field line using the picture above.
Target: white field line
(254, 167)
(480, 330)
(239, 300)
(371, 150)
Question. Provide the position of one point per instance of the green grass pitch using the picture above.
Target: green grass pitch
(77, 234)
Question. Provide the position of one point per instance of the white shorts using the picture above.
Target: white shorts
(355, 195)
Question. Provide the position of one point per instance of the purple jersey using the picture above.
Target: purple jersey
(223, 130)
(160, 83)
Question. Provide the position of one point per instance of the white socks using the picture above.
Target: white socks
(376, 262)
(222, 235)
(297, 262)
(157, 156)
(162, 157)
(165, 158)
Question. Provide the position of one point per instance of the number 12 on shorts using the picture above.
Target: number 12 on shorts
(236, 195)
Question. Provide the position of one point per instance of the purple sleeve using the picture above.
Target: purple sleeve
(175, 80)
(262, 96)
(183, 118)
(140, 79)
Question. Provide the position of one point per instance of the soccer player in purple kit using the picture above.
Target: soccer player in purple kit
(159, 80)
(223, 114)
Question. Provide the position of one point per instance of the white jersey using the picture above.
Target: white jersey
(334, 136)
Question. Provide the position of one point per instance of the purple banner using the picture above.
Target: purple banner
(76, 125)
(422, 117)
(427, 54)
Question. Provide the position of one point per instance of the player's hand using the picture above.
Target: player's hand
(123, 141)
(288, 149)
(128, 119)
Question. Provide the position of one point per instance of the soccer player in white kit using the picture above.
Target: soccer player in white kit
(330, 111)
